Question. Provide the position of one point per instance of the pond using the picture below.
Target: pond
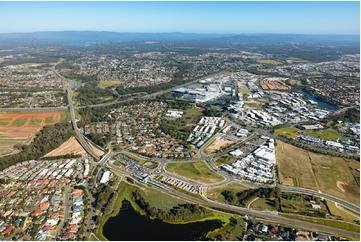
(130, 225)
(320, 103)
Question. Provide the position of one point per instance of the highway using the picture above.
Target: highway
(81, 138)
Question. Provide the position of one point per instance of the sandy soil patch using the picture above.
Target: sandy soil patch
(97, 151)
(340, 185)
(218, 144)
(71, 146)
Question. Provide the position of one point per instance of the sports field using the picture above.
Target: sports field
(336, 176)
(197, 171)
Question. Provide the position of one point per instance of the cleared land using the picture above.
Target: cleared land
(217, 145)
(301, 168)
(16, 128)
(197, 171)
(214, 193)
(288, 132)
(71, 146)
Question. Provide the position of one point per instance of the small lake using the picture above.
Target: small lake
(320, 103)
(130, 225)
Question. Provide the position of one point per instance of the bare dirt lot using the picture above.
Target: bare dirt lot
(20, 125)
(301, 168)
(71, 146)
(217, 144)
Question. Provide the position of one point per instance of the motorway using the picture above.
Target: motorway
(81, 138)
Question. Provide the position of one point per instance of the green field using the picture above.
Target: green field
(336, 176)
(295, 82)
(35, 122)
(64, 116)
(327, 222)
(224, 160)
(5, 121)
(298, 203)
(7, 144)
(269, 62)
(192, 115)
(197, 171)
(328, 134)
(110, 83)
(244, 91)
(342, 212)
(288, 132)
(49, 119)
(263, 204)
(19, 122)
(214, 193)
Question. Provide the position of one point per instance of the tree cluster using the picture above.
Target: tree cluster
(180, 212)
(47, 139)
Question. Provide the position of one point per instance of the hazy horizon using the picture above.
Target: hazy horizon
(325, 18)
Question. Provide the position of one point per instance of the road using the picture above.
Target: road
(250, 212)
(81, 138)
(66, 213)
(322, 195)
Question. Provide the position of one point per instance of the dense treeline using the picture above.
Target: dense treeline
(180, 212)
(242, 198)
(100, 139)
(93, 115)
(177, 130)
(90, 93)
(47, 139)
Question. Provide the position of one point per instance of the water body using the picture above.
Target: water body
(130, 225)
(320, 103)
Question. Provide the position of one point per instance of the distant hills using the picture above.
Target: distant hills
(115, 36)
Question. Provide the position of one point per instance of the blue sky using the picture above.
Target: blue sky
(191, 17)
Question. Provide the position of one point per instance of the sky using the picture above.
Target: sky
(190, 17)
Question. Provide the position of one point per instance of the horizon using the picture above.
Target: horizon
(174, 32)
(318, 18)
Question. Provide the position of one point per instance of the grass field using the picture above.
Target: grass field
(263, 204)
(64, 116)
(49, 119)
(269, 62)
(295, 82)
(110, 83)
(197, 171)
(224, 160)
(327, 134)
(327, 222)
(5, 121)
(244, 91)
(35, 122)
(214, 193)
(192, 115)
(332, 175)
(7, 144)
(288, 132)
(19, 122)
(342, 212)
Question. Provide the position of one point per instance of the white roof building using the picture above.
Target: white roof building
(105, 177)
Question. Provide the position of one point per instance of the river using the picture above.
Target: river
(130, 225)
(320, 103)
